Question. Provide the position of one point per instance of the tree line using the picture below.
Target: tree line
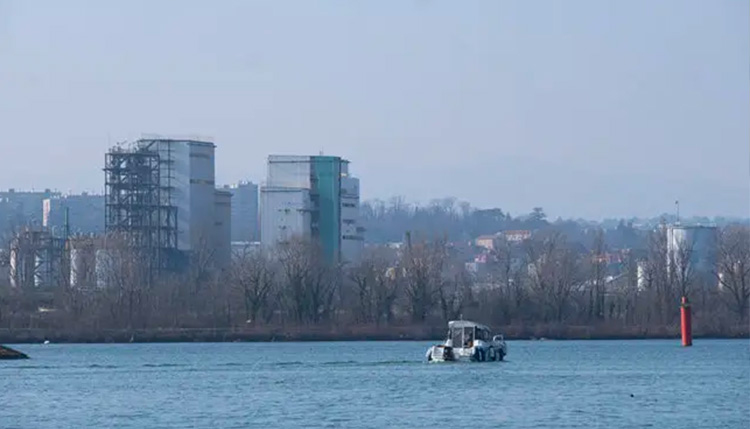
(547, 280)
(388, 221)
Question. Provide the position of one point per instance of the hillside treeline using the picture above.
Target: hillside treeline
(388, 221)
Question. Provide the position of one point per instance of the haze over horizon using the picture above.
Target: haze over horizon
(589, 109)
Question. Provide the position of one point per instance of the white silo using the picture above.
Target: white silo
(697, 244)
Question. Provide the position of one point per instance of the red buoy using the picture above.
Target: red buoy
(687, 329)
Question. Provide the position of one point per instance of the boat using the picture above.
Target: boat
(468, 342)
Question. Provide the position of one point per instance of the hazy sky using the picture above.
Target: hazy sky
(587, 108)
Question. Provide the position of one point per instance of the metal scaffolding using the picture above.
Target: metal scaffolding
(138, 203)
(36, 259)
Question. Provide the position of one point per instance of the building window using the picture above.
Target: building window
(201, 182)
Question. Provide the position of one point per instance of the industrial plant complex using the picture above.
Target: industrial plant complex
(162, 206)
(312, 196)
(162, 213)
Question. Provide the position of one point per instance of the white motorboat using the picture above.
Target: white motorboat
(470, 342)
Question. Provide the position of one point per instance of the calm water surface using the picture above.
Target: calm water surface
(562, 384)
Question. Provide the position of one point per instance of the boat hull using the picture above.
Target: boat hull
(481, 353)
(468, 341)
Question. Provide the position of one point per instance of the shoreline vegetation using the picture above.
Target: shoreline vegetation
(351, 333)
(546, 286)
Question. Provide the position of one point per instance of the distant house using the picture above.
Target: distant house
(512, 236)
(242, 249)
(607, 258)
(486, 241)
(517, 236)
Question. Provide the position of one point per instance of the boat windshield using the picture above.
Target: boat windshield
(462, 337)
(456, 337)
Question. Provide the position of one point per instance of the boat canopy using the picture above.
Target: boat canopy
(458, 324)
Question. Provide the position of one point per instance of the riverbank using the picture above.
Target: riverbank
(351, 333)
(7, 353)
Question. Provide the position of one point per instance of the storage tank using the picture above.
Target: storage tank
(82, 261)
(697, 243)
(104, 267)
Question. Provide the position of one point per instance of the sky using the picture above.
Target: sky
(589, 109)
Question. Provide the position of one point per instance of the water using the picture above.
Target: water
(569, 384)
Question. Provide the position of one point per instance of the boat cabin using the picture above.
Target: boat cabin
(468, 341)
(463, 333)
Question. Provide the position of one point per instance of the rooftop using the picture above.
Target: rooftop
(456, 324)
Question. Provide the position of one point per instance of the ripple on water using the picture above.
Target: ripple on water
(377, 385)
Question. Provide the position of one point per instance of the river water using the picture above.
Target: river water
(571, 384)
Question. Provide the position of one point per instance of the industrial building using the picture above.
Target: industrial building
(79, 213)
(22, 208)
(36, 260)
(222, 235)
(242, 249)
(245, 223)
(81, 250)
(160, 193)
(312, 197)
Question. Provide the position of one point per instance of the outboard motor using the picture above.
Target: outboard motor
(448, 353)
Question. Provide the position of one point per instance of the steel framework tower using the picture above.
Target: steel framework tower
(137, 203)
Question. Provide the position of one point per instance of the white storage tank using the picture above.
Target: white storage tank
(698, 244)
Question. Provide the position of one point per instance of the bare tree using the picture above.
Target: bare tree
(376, 284)
(454, 292)
(218, 294)
(554, 273)
(659, 284)
(201, 267)
(364, 276)
(193, 291)
(422, 265)
(78, 280)
(253, 274)
(387, 290)
(5, 290)
(680, 265)
(500, 271)
(310, 281)
(506, 277)
(734, 268)
(631, 292)
(124, 275)
(597, 274)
